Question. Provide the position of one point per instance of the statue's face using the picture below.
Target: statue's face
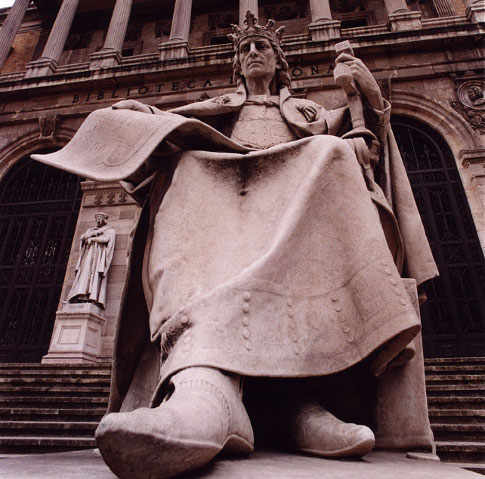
(100, 220)
(257, 58)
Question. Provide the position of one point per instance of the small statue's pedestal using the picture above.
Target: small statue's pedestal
(77, 334)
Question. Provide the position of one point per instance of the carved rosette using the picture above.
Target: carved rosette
(470, 103)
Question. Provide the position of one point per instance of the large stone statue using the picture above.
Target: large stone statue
(275, 241)
(95, 256)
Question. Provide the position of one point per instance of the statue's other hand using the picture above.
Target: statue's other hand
(364, 79)
(308, 111)
(132, 105)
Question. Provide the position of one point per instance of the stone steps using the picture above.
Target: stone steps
(34, 414)
(55, 401)
(456, 400)
(51, 407)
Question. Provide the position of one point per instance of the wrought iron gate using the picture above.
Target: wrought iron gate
(39, 206)
(454, 315)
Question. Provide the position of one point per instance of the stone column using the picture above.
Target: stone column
(475, 11)
(400, 17)
(47, 63)
(110, 54)
(178, 44)
(244, 6)
(444, 8)
(10, 27)
(323, 27)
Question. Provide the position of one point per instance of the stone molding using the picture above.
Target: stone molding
(104, 194)
(439, 116)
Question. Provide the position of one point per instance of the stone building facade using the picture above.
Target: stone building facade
(60, 61)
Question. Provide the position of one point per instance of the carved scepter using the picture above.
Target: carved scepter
(344, 79)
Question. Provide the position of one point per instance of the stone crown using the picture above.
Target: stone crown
(252, 28)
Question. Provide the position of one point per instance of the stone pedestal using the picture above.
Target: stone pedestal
(173, 50)
(41, 67)
(77, 334)
(324, 30)
(404, 20)
(105, 58)
(475, 11)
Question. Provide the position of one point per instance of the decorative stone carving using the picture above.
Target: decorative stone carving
(471, 103)
(47, 126)
(96, 252)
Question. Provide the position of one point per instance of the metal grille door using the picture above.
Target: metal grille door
(39, 206)
(454, 315)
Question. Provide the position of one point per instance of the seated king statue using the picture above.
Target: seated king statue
(277, 241)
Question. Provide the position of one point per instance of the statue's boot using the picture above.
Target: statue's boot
(316, 431)
(203, 416)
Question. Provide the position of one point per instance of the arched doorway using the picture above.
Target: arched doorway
(454, 315)
(39, 206)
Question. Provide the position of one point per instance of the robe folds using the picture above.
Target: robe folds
(266, 262)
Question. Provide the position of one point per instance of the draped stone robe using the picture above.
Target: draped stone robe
(283, 262)
(92, 267)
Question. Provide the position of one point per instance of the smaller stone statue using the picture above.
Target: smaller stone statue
(96, 252)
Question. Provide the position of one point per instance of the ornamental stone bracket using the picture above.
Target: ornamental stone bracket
(47, 126)
(404, 20)
(77, 334)
(470, 103)
(41, 67)
(473, 157)
(105, 58)
(324, 30)
(173, 50)
(104, 194)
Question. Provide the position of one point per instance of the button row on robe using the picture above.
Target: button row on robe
(246, 334)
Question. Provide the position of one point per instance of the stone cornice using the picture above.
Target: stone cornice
(203, 59)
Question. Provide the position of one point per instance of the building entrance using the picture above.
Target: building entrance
(454, 315)
(39, 206)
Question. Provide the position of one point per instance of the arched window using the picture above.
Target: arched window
(454, 315)
(39, 206)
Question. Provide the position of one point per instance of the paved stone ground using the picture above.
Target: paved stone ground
(88, 464)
